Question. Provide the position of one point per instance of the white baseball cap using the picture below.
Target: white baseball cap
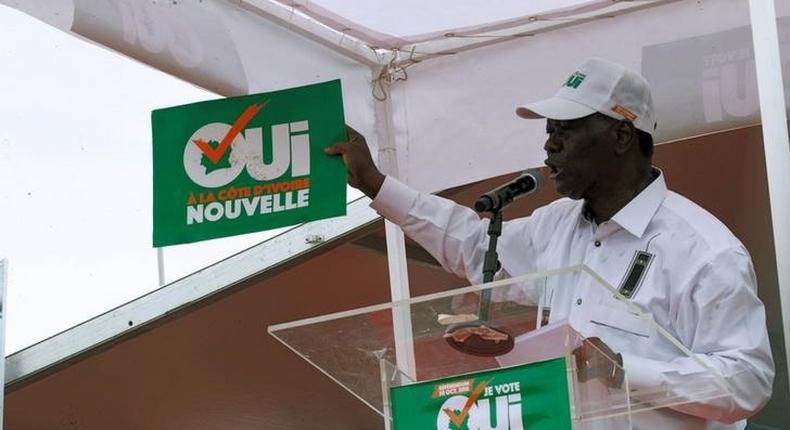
(599, 86)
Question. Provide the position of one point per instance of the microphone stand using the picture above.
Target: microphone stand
(490, 263)
(475, 344)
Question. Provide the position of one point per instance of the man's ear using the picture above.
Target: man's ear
(625, 137)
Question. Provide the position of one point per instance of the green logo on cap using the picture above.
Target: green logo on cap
(575, 80)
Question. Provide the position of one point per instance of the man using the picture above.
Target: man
(698, 281)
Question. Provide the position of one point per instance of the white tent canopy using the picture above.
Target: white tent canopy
(433, 84)
(449, 107)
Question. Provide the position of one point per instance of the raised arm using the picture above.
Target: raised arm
(455, 235)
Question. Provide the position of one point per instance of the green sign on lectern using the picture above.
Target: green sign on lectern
(528, 397)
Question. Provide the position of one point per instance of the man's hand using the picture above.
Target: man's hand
(594, 359)
(362, 172)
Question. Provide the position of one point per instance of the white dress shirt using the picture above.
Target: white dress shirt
(700, 286)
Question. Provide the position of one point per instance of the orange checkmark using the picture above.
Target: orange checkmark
(459, 419)
(215, 154)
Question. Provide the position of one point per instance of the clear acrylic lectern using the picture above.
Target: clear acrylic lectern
(413, 344)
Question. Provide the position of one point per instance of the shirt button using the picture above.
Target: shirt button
(578, 302)
(597, 243)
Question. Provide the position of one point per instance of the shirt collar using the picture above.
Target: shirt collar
(636, 215)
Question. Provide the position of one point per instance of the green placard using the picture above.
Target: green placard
(528, 397)
(246, 164)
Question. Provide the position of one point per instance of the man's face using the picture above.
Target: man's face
(579, 154)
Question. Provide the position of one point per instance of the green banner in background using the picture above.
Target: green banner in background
(246, 164)
(528, 397)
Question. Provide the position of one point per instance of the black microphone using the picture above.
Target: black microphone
(497, 199)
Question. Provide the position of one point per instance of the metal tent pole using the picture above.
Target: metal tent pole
(3, 316)
(160, 265)
(775, 141)
(396, 246)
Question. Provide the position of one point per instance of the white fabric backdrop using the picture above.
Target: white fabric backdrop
(454, 115)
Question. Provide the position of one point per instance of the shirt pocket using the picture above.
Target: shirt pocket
(618, 320)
